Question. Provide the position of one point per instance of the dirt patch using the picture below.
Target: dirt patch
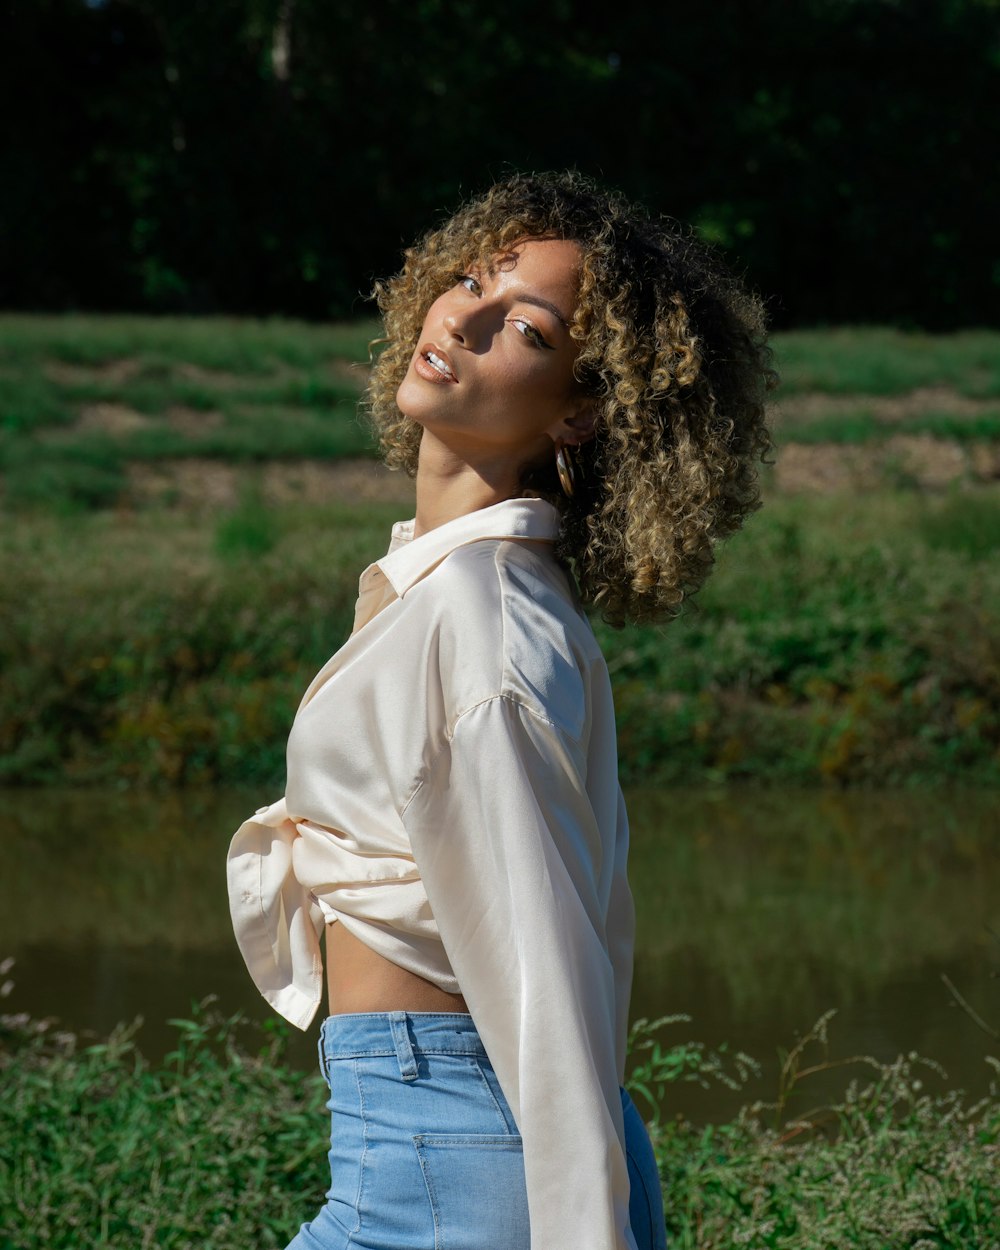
(933, 463)
(194, 485)
(346, 481)
(354, 373)
(110, 419)
(928, 399)
(891, 409)
(223, 379)
(902, 460)
(199, 484)
(193, 421)
(113, 372)
(824, 468)
(985, 461)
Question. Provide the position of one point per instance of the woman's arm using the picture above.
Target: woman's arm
(519, 877)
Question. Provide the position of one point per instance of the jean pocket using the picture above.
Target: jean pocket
(475, 1186)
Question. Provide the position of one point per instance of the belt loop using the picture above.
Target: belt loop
(405, 1057)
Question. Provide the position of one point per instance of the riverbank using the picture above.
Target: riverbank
(222, 1146)
(841, 641)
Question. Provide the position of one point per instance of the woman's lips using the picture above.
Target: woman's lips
(433, 365)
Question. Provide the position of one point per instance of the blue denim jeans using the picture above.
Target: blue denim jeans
(424, 1151)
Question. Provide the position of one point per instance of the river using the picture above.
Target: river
(758, 911)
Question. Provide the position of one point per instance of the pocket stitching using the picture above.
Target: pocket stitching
(493, 1098)
(421, 1141)
(432, 1197)
(364, 1151)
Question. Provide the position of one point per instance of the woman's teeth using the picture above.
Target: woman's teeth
(439, 364)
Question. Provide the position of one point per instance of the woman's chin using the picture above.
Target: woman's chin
(413, 401)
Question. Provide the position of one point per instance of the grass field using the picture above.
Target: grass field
(223, 1146)
(83, 398)
(185, 515)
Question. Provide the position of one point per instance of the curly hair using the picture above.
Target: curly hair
(673, 353)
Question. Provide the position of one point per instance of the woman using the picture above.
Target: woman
(579, 394)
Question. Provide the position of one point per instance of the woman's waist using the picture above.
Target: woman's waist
(377, 968)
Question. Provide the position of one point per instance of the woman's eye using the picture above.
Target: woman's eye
(470, 283)
(528, 330)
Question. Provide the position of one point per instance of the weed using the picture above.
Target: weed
(248, 531)
(654, 1066)
(61, 479)
(29, 403)
(967, 524)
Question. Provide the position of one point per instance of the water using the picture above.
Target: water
(758, 911)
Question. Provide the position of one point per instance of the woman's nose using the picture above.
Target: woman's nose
(467, 323)
(454, 323)
(463, 326)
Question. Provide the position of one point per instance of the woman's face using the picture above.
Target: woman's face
(493, 370)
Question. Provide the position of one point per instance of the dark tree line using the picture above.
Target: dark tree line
(272, 156)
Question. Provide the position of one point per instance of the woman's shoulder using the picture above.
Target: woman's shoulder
(508, 623)
(501, 585)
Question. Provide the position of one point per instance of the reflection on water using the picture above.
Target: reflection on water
(757, 912)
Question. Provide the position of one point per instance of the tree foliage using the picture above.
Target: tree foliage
(272, 156)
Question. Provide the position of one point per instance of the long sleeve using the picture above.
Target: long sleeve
(520, 880)
(276, 919)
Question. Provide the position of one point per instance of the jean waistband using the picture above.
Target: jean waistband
(404, 1034)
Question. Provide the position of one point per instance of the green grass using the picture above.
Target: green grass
(241, 390)
(236, 345)
(863, 426)
(872, 360)
(841, 360)
(967, 525)
(229, 390)
(223, 1146)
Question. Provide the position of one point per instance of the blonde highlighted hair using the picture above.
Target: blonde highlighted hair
(673, 354)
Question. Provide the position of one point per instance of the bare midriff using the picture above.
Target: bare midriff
(359, 979)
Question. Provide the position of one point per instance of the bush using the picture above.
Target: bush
(153, 648)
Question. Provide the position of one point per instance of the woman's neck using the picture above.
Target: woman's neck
(451, 485)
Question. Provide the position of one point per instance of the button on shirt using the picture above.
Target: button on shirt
(453, 800)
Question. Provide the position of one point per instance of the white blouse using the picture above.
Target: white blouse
(453, 800)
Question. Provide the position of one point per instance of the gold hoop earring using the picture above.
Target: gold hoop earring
(565, 468)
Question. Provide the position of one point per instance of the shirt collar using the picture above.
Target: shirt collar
(409, 559)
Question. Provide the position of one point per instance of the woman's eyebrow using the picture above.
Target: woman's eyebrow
(526, 297)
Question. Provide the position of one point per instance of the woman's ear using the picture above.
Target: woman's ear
(577, 426)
